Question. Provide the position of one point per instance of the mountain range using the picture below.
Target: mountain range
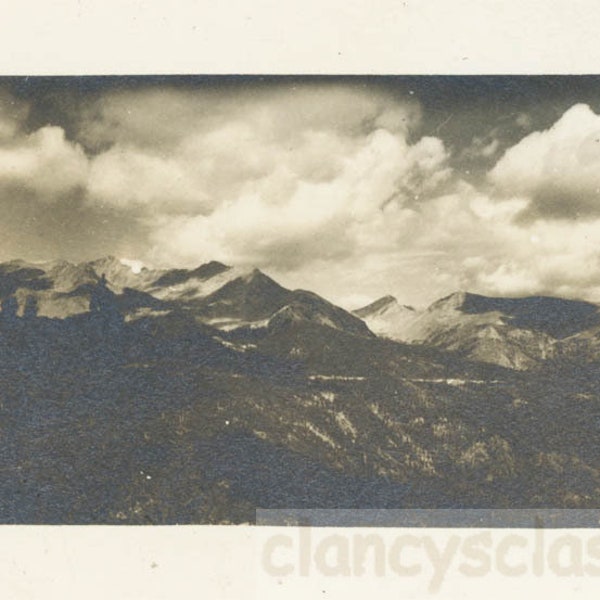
(517, 333)
(133, 395)
(224, 297)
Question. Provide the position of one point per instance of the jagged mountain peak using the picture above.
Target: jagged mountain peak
(387, 317)
(212, 266)
(248, 294)
(208, 270)
(17, 262)
(389, 299)
(254, 275)
(105, 262)
(173, 277)
(112, 263)
(557, 317)
(455, 300)
(15, 265)
(378, 307)
(121, 273)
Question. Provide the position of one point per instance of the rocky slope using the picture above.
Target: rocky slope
(387, 317)
(518, 333)
(221, 296)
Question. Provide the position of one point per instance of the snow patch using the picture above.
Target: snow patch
(136, 266)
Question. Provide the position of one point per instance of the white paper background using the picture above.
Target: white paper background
(304, 36)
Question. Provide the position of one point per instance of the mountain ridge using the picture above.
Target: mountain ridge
(214, 293)
(513, 332)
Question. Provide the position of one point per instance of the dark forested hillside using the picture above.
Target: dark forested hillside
(198, 396)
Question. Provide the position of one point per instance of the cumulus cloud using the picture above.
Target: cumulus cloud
(272, 176)
(43, 162)
(192, 152)
(278, 111)
(128, 178)
(558, 169)
(284, 219)
(550, 258)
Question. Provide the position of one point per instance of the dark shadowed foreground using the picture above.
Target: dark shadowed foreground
(166, 404)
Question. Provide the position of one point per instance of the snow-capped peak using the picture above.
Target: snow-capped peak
(136, 266)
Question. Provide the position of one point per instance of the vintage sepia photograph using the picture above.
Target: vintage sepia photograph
(224, 294)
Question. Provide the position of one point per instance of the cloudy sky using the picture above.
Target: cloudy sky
(352, 187)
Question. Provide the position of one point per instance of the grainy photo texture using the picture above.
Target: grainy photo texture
(224, 294)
